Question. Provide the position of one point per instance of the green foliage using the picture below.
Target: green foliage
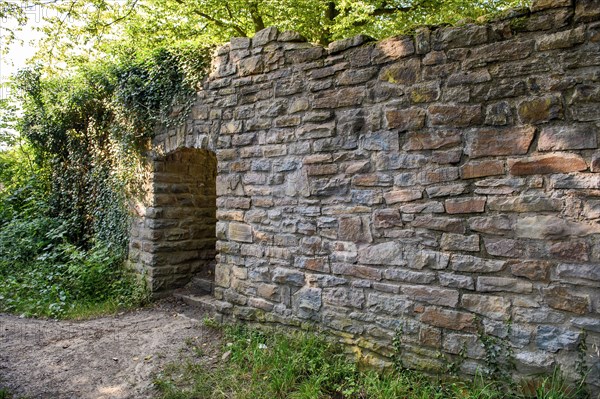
(271, 364)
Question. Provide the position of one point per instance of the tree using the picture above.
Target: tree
(87, 28)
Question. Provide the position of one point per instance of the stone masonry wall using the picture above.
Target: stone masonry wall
(445, 183)
(174, 237)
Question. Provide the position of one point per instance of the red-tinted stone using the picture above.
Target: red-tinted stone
(475, 169)
(501, 141)
(560, 298)
(455, 115)
(465, 205)
(546, 164)
(446, 318)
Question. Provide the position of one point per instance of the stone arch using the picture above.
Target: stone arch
(174, 238)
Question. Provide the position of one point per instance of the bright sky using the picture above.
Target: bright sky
(22, 49)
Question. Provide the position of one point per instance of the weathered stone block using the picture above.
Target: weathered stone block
(388, 253)
(456, 281)
(406, 119)
(431, 295)
(455, 115)
(346, 297)
(476, 169)
(503, 284)
(561, 298)
(424, 93)
(535, 270)
(450, 319)
(396, 196)
(446, 190)
(497, 225)
(589, 272)
(570, 137)
(541, 109)
(388, 304)
(468, 263)
(239, 232)
(386, 218)
(552, 339)
(405, 72)
(380, 141)
(451, 225)
(356, 229)
(495, 307)
(564, 39)
(494, 142)
(465, 205)
(459, 242)
(546, 164)
(431, 140)
(393, 49)
(409, 276)
(358, 271)
(539, 5)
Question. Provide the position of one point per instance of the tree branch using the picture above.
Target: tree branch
(216, 21)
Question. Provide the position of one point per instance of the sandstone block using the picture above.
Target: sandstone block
(406, 119)
(431, 140)
(539, 5)
(570, 137)
(586, 10)
(561, 298)
(573, 250)
(446, 190)
(465, 205)
(396, 196)
(455, 115)
(459, 242)
(547, 164)
(239, 232)
(456, 281)
(405, 72)
(451, 225)
(431, 295)
(498, 114)
(495, 307)
(380, 141)
(542, 109)
(473, 264)
(251, 66)
(590, 272)
(346, 297)
(457, 343)
(288, 277)
(386, 218)
(535, 270)
(497, 225)
(552, 227)
(409, 276)
(450, 319)
(503, 284)
(388, 253)
(564, 39)
(356, 229)
(393, 49)
(388, 304)
(475, 169)
(358, 271)
(424, 93)
(495, 142)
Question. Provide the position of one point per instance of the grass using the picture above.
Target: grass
(300, 365)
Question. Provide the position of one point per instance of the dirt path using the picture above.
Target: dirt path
(110, 357)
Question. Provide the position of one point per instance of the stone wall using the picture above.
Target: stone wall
(173, 237)
(444, 184)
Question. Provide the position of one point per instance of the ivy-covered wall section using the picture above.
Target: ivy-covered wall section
(441, 189)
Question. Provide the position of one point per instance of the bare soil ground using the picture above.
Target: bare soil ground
(112, 357)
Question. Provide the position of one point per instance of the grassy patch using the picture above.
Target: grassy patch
(301, 365)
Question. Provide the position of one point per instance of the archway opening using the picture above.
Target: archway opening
(184, 186)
